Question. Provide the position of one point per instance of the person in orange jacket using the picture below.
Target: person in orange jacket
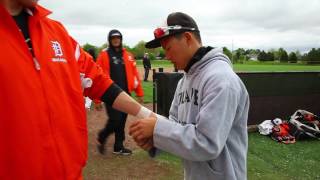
(44, 76)
(121, 66)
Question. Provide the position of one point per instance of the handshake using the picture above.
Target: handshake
(142, 131)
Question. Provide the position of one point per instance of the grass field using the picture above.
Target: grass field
(248, 67)
(251, 66)
(269, 160)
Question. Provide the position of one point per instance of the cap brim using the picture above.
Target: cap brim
(153, 44)
(156, 42)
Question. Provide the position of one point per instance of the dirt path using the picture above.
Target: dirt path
(109, 166)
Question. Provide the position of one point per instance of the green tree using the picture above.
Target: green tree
(91, 49)
(276, 54)
(313, 56)
(88, 46)
(262, 56)
(283, 55)
(293, 57)
(161, 54)
(239, 55)
(299, 55)
(304, 57)
(139, 49)
(270, 56)
(227, 52)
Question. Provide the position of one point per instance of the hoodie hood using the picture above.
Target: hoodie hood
(215, 54)
(112, 33)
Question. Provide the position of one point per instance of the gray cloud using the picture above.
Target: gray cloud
(292, 24)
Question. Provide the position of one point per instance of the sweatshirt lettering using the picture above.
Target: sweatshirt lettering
(187, 96)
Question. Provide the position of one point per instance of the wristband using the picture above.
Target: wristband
(143, 113)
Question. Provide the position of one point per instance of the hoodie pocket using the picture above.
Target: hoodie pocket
(213, 169)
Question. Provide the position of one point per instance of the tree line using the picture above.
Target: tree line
(239, 55)
(280, 55)
(138, 50)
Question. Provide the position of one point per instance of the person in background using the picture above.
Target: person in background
(92, 52)
(120, 64)
(146, 66)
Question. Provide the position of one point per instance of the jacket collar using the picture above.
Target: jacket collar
(39, 11)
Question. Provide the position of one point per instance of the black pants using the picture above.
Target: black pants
(146, 74)
(116, 124)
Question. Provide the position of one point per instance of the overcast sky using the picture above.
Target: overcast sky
(264, 24)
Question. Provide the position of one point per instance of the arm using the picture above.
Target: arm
(196, 142)
(103, 62)
(101, 86)
(146, 143)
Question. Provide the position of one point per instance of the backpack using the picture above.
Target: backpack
(304, 124)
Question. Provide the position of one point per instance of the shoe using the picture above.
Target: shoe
(123, 151)
(101, 148)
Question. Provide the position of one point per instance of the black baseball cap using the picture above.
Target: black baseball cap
(176, 22)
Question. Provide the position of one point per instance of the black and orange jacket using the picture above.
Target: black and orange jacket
(132, 75)
(43, 129)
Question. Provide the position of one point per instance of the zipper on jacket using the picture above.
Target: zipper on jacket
(36, 63)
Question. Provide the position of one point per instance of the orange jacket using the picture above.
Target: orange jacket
(43, 131)
(133, 78)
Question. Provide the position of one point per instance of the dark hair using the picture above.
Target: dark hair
(92, 52)
(197, 35)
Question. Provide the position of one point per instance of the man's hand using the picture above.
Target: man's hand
(142, 129)
(145, 144)
(140, 99)
(98, 106)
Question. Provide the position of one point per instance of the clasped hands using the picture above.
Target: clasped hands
(142, 132)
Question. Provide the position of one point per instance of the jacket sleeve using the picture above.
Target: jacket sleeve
(103, 62)
(137, 81)
(205, 139)
(93, 80)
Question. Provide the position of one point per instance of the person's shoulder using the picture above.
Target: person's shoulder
(129, 54)
(43, 14)
(103, 52)
(126, 51)
(53, 24)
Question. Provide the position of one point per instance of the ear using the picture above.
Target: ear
(189, 38)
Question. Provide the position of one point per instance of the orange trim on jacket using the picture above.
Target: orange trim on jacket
(43, 128)
(133, 77)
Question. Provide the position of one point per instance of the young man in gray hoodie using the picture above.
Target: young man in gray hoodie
(207, 125)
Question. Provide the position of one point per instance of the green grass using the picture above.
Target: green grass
(268, 159)
(148, 93)
(274, 67)
(157, 63)
(251, 66)
(248, 67)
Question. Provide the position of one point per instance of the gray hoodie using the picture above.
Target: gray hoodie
(207, 124)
